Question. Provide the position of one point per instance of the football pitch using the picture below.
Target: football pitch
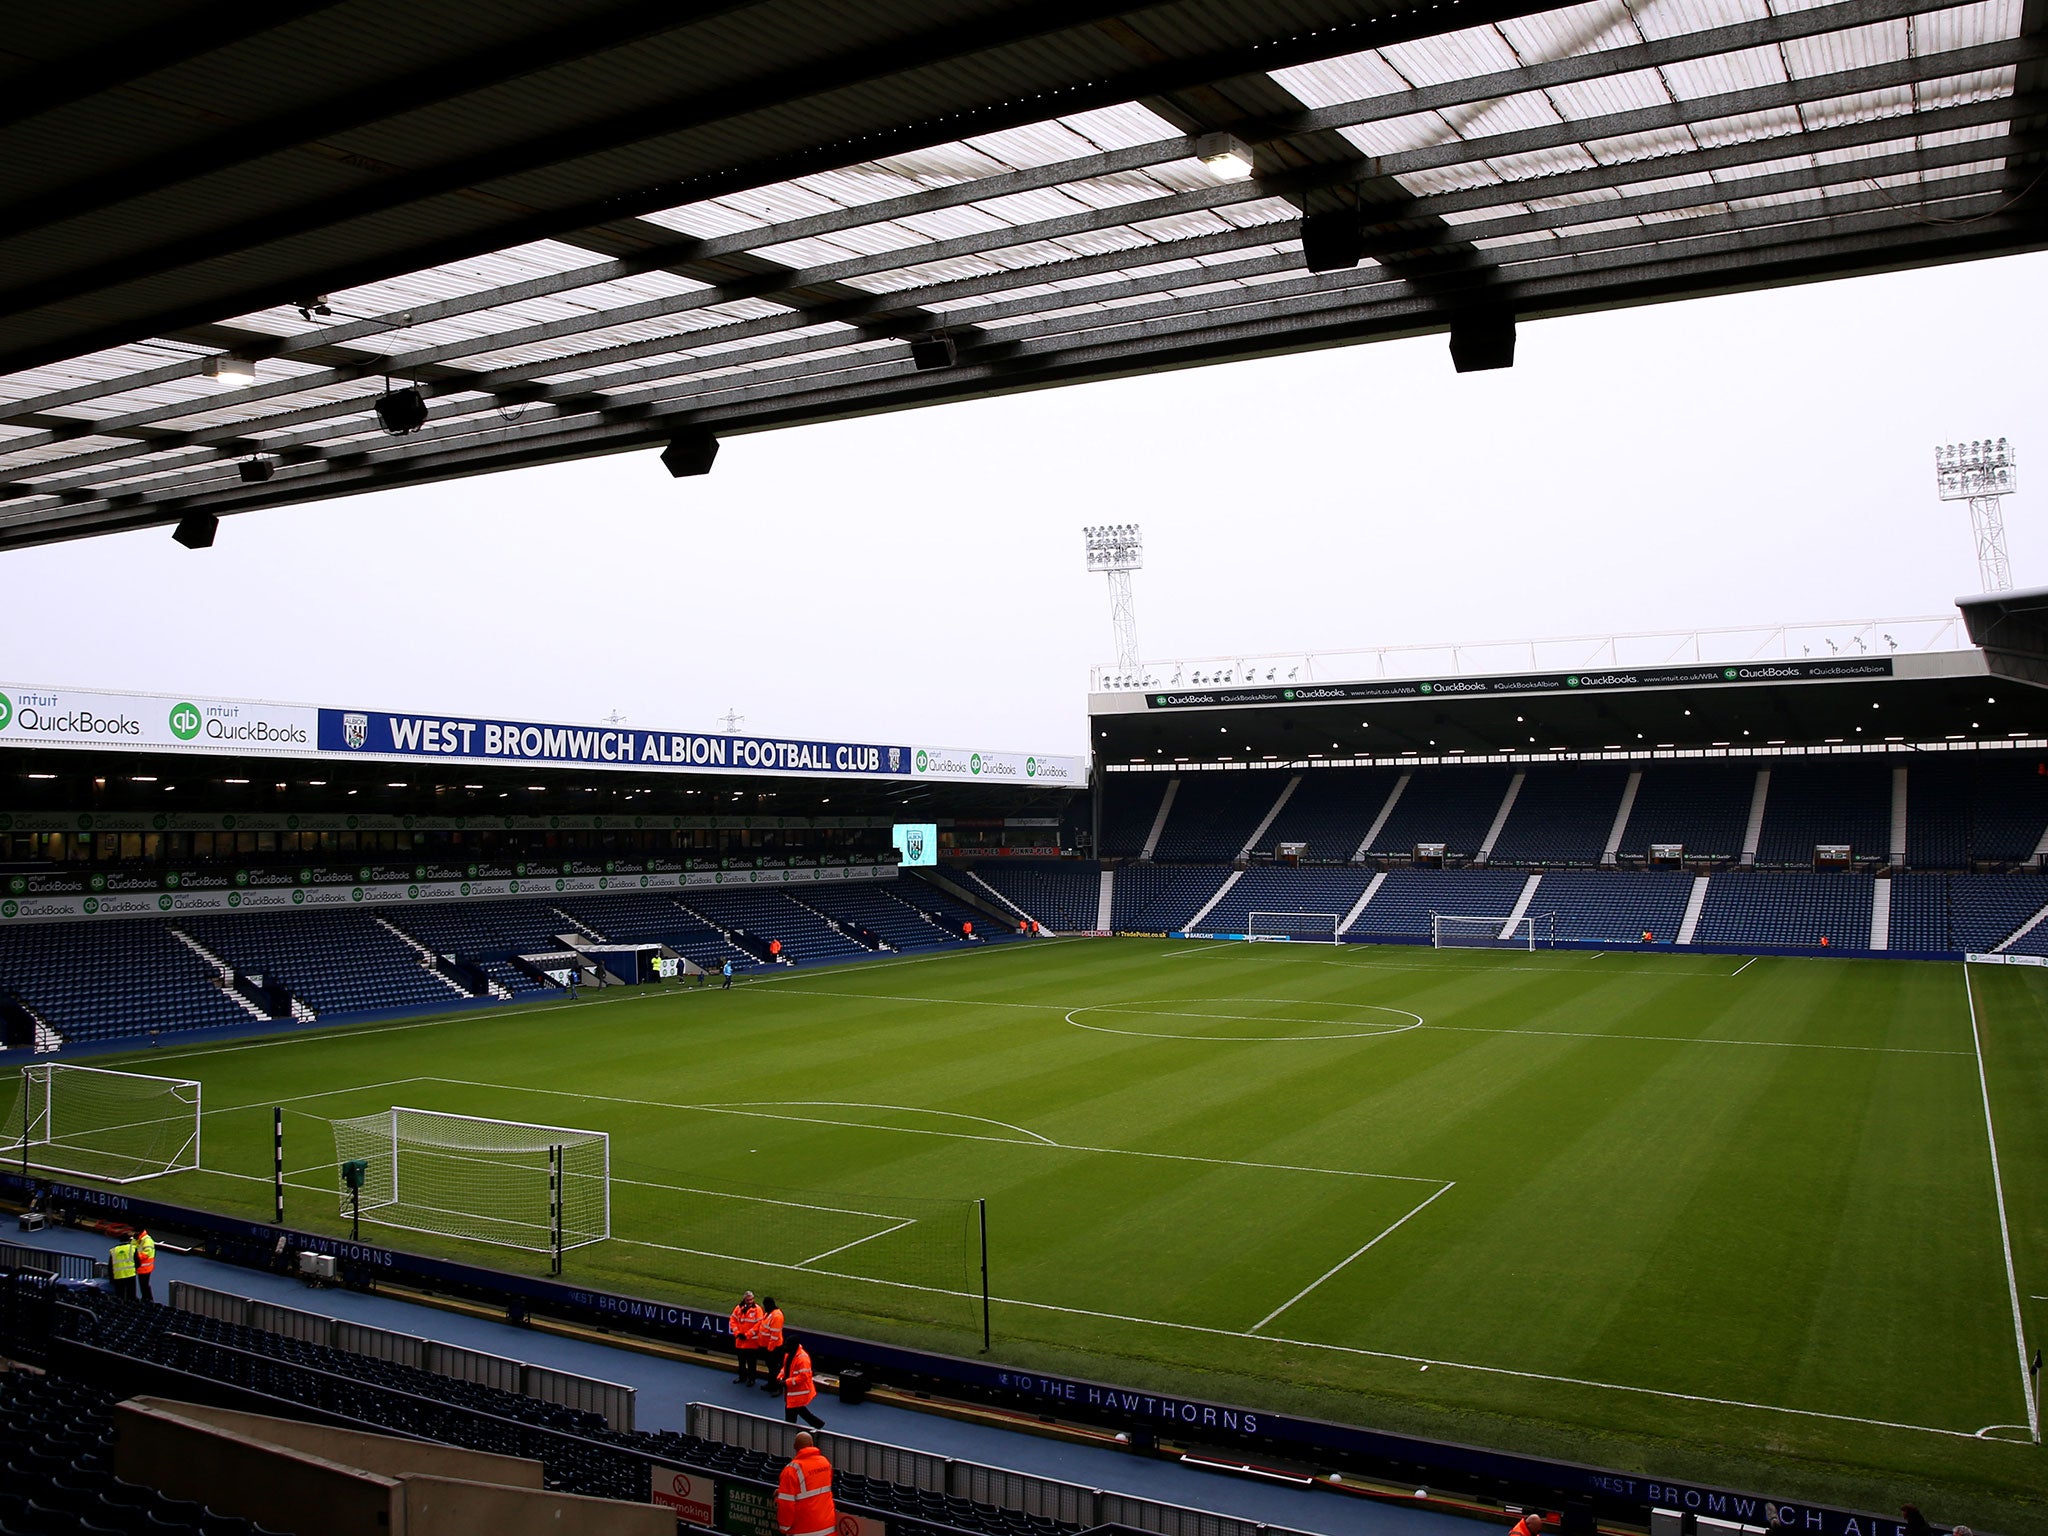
(1779, 1223)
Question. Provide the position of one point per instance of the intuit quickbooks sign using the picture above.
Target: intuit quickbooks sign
(71, 717)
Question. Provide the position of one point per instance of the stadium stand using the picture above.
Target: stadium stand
(1703, 806)
(1331, 810)
(1562, 815)
(1967, 808)
(640, 918)
(60, 1476)
(943, 908)
(1452, 806)
(1973, 913)
(1213, 814)
(1060, 893)
(63, 1435)
(898, 923)
(1130, 804)
(1287, 890)
(1791, 907)
(806, 937)
(101, 981)
(486, 930)
(1613, 906)
(1402, 906)
(1162, 898)
(336, 962)
(1826, 800)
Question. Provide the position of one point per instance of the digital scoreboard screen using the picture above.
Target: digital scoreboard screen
(917, 841)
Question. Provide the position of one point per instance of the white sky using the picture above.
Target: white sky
(918, 577)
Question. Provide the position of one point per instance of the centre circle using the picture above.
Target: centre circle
(1254, 1020)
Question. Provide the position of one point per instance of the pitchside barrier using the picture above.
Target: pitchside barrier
(613, 1402)
(1022, 1491)
(1252, 1433)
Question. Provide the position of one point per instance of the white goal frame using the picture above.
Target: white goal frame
(1451, 930)
(565, 1166)
(47, 1136)
(1299, 923)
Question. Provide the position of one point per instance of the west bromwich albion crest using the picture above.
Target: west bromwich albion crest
(895, 759)
(913, 845)
(355, 730)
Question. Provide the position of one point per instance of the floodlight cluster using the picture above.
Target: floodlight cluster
(1983, 467)
(1115, 547)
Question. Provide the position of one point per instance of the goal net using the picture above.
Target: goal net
(505, 1182)
(114, 1127)
(1300, 927)
(1449, 931)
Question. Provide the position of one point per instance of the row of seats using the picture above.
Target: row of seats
(337, 961)
(105, 980)
(1061, 894)
(579, 1454)
(59, 1470)
(1960, 808)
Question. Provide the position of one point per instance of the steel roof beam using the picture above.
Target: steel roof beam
(670, 247)
(1722, 244)
(1790, 94)
(1722, 157)
(440, 82)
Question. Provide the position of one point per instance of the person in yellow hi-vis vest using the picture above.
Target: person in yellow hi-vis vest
(145, 1263)
(121, 1267)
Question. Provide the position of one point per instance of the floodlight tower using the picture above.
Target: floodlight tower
(1981, 473)
(1117, 550)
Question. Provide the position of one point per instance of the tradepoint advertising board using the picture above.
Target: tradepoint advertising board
(37, 716)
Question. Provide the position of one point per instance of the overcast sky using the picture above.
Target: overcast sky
(918, 577)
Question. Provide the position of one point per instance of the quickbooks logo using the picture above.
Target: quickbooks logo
(1728, 674)
(974, 763)
(1030, 767)
(923, 761)
(6, 711)
(185, 721)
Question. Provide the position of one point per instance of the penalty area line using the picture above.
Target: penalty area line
(1387, 1231)
(910, 1221)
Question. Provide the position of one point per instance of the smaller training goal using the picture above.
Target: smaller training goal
(112, 1127)
(1452, 931)
(544, 1188)
(1294, 927)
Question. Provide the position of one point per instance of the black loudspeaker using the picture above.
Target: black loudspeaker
(255, 471)
(690, 453)
(1482, 339)
(402, 411)
(195, 530)
(1330, 242)
(934, 351)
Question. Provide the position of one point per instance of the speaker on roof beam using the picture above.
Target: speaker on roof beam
(1483, 339)
(195, 530)
(402, 411)
(690, 452)
(938, 350)
(1332, 241)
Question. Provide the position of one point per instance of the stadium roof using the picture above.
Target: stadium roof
(1943, 699)
(584, 226)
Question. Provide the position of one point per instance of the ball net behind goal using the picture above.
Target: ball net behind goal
(111, 1127)
(505, 1182)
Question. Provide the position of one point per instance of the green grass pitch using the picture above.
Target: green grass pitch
(1682, 1214)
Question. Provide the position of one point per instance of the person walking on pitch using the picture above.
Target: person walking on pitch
(803, 1498)
(145, 1263)
(746, 1331)
(726, 972)
(799, 1387)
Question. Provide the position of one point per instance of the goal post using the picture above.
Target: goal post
(1294, 927)
(1457, 931)
(95, 1123)
(510, 1183)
